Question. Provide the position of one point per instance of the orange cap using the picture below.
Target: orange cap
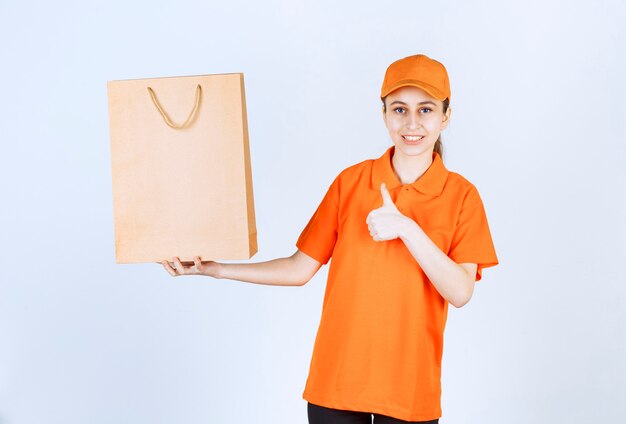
(419, 71)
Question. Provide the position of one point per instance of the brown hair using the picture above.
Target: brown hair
(438, 146)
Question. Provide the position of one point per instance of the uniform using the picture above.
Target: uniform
(380, 339)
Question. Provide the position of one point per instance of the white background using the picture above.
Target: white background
(538, 123)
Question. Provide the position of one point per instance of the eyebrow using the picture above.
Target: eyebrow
(420, 103)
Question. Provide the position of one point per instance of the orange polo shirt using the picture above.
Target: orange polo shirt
(380, 339)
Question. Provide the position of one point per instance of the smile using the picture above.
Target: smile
(412, 137)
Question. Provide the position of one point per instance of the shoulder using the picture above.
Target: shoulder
(458, 181)
(459, 187)
(354, 173)
(357, 169)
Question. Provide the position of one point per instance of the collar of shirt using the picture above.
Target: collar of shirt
(431, 182)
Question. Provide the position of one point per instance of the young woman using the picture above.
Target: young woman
(407, 237)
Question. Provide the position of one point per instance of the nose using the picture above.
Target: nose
(413, 121)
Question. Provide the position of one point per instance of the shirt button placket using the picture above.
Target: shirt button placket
(400, 196)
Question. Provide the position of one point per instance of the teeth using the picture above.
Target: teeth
(412, 137)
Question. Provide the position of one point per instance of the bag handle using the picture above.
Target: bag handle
(166, 118)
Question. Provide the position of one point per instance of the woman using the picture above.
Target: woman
(407, 237)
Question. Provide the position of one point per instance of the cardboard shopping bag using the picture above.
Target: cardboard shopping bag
(181, 172)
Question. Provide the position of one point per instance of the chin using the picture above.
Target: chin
(416, 150)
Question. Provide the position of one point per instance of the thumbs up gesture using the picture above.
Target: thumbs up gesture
(386, 222)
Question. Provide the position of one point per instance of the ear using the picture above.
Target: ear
(446, 119)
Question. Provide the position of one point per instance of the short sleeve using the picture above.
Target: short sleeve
(320, 234)
(472, 240)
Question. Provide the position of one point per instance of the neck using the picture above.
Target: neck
(409, 168)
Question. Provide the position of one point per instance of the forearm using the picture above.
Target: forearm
(277, 272)
(448, 277)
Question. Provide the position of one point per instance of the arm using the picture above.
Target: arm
(295, 270)
(455, 282)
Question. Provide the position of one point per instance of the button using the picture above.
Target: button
(406, 189)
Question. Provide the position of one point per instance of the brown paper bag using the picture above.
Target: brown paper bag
(182, 181)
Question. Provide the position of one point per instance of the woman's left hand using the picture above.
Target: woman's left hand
(386, 222)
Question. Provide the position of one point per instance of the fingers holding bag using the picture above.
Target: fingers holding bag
(176, 268)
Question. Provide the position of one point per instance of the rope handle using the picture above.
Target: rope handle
(166, 118)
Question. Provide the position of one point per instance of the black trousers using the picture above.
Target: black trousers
(323, 415)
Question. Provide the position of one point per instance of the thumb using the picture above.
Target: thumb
(387, 201)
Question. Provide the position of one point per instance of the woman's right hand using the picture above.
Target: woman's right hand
(295, 270)
(176, 268)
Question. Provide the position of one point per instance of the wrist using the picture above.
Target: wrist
(408, 230)
(215, 270)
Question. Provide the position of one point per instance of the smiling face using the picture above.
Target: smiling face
(414, 120)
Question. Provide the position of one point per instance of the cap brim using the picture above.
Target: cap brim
(432, 91)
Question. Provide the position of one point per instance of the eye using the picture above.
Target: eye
(427, 109)
(399, 107)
